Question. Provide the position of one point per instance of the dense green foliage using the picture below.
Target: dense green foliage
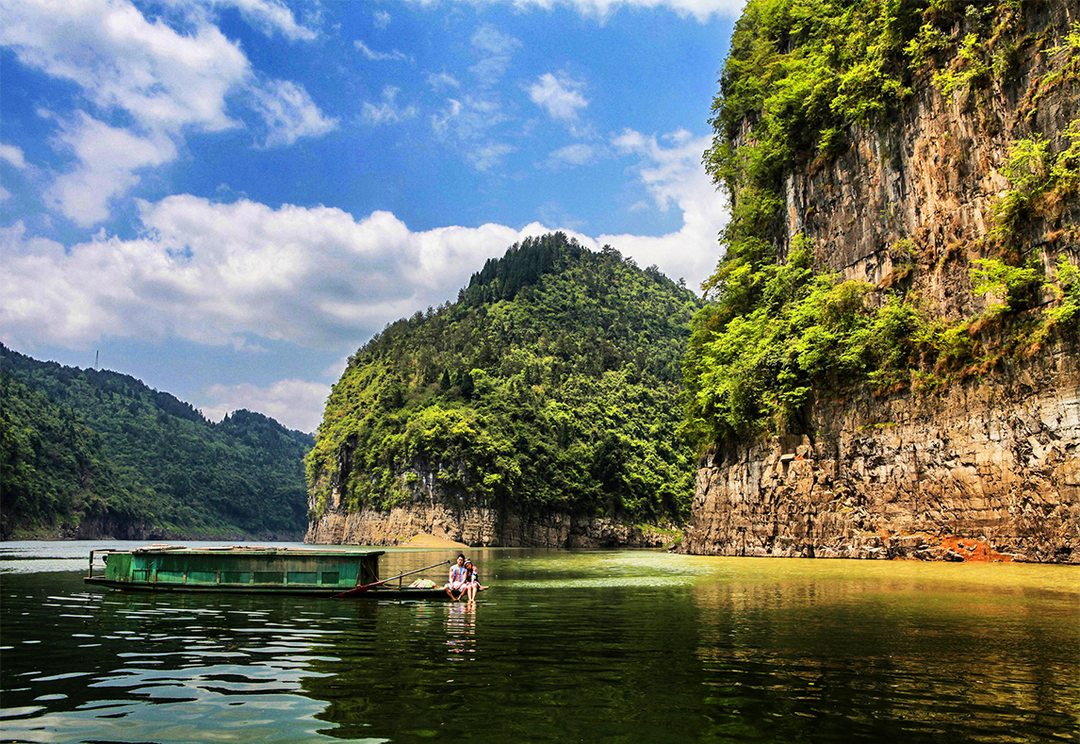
(553, 381)
(81, 444)
(53, 468)
(800, 75)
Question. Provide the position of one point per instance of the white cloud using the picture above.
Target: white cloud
(119, 59)
(382, 19)
(387, 112)
(496, 50)
(560, 96)
(108, 161)
(218, 274)
(672, 175)
(442, 81)
(270, 15)
(394, 56)
(489, 156)
(570, 156)
(295, 404)
(13, 156)
(289, 113)
(164, 81)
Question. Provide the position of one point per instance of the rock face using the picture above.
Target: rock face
(997, 464)
(994, 459)
(476, 526)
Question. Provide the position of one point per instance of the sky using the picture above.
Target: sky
(227, 198)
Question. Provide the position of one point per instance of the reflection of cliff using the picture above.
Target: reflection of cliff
(861, 660)
(989, 451)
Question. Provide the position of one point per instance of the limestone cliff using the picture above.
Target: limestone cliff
(987, 465)
(478, 526)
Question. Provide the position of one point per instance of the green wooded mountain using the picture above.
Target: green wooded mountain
(89, 453)
(552, 382)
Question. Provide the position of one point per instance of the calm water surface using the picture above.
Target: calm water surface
(620, 646)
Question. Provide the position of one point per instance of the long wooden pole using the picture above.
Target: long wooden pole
(365, 587)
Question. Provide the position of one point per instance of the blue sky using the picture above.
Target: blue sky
(226, 198)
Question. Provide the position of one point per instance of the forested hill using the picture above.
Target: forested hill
(553, 382)
(92, 453)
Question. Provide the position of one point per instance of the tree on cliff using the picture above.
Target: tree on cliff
(783, 325)
(552, 382)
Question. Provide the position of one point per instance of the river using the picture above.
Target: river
(597, 646)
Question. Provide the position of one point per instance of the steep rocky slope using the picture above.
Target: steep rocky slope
(956, 201)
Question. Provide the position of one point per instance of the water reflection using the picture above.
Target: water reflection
(461, 631)
(613, 646)
(863, 659)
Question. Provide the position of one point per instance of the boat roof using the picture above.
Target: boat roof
(253, 550)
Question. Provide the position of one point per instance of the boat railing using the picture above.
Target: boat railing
(104, 558)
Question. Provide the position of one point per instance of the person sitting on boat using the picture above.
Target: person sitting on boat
(457, 578)
(472, 580)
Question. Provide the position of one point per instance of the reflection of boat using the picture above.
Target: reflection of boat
(251, 570)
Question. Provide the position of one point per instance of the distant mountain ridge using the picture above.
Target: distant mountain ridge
(91, 453)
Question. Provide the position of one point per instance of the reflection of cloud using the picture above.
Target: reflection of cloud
(560, 96)
(294, 403)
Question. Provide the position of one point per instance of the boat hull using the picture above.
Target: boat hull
(249, 570)
(295, 591)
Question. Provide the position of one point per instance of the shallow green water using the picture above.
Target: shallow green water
(620, 646)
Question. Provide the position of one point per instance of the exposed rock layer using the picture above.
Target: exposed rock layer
(477, 526)
(890, 478)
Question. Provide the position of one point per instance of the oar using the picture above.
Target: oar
(365, 587)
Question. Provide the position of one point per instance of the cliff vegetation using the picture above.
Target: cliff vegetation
(551, 383)
(816, 89)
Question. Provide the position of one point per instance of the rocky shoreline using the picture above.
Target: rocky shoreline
(479, 526)
(981, 469)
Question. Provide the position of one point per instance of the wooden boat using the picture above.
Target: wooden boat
(252, 570)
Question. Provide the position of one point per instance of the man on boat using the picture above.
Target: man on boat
(457, 578)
